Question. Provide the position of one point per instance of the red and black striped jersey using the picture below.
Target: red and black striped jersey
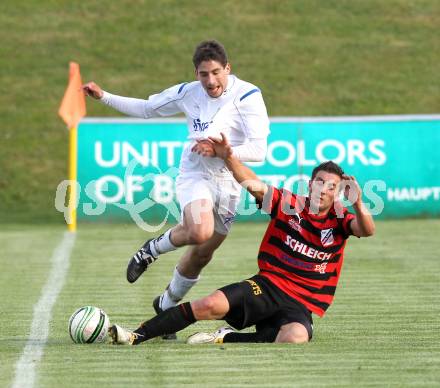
(302, 253)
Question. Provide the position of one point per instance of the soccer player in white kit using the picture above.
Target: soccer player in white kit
(206, 190)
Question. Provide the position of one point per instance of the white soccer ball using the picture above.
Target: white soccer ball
(88, 324)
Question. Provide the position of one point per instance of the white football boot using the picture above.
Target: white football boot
(209, 338)
(121, 336)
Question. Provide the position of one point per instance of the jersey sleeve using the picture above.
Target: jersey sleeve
(271, 201)
(166, 103)
(253, 151)
(346, 224)
(253, 114)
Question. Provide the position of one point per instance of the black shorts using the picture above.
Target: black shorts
(257, 301)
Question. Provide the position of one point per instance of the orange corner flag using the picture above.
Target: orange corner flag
(72, 109)
(73, 105)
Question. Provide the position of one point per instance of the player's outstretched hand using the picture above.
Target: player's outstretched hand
(352, 190)
(92, 90)
(221, 146)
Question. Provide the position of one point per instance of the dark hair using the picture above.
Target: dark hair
(210, 50)
(330, 167)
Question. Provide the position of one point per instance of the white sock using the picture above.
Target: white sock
(162, 244)
(178, 288)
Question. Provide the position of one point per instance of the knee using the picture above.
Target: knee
(204, 308)
(199, 235)
(292, 338)
(293, 335)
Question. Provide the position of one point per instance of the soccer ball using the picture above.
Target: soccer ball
(88, 324)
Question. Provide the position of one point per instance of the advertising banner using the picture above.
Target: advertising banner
(127, 168)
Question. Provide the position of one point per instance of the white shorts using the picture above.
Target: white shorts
(223, 191)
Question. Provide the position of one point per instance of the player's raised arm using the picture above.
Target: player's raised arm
(242, 174)
(134, 107)
(363, 224)
(157, 105)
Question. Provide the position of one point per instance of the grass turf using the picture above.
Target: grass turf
(382, 330)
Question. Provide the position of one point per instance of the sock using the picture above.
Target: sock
(167, 322)
(176, 290)
(162, 244)
(267, 335)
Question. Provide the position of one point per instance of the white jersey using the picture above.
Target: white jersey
(240, 113)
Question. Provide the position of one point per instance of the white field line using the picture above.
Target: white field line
(25, 368)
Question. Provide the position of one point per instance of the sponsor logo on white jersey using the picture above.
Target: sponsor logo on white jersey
(198, 126)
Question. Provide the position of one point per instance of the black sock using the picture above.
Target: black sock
(266, 335)
(167, 322)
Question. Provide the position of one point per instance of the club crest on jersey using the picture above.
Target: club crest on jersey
(198, 126)
(327, 237)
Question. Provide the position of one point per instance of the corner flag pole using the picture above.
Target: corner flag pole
(73, 159)
(72, 109)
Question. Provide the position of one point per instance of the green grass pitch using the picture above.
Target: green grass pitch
(382, 330)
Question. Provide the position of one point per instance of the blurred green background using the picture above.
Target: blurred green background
(309, 57)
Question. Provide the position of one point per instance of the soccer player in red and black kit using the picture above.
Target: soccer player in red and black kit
(300, 260)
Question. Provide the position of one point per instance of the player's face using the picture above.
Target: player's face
(324, 189)
(213, 76)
